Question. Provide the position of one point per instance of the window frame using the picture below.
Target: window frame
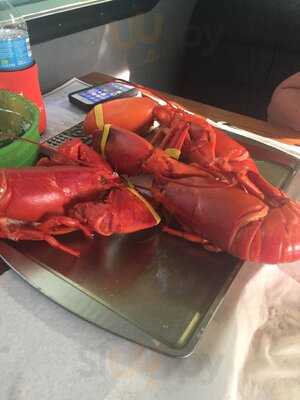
(65, 23)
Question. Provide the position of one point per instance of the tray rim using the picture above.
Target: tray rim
(20, 263)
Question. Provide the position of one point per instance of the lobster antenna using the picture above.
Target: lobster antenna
(49, 149)
(154, 95)
(147, 92)
(13, 136)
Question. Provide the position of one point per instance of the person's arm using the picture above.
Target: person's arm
(284, 108)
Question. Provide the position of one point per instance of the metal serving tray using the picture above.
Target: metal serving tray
(154, 289)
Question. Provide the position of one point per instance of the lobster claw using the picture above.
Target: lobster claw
(124, 211)
(133, 113)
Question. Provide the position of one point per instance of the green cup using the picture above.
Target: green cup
(20, 117)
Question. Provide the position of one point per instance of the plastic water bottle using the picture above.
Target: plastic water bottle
(15, 51)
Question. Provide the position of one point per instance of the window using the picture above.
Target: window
(48, 19)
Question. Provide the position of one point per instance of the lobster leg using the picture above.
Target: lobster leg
(273, 195)
(176, 139)
(191, 237)
(61, 225)
(171, 140)
(16, 231)
(199, 147)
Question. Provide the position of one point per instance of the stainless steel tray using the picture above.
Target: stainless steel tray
(151, 288)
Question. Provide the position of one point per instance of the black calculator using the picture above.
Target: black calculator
(75, 132)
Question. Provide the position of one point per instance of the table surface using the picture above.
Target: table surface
(260, 127)
(48, 353)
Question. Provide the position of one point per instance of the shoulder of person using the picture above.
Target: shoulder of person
(292, 82)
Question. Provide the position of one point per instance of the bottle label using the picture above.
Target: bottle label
(15, 53)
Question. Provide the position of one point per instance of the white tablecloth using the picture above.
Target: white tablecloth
(250, 350)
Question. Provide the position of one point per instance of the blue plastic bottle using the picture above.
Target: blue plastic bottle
(15, 51)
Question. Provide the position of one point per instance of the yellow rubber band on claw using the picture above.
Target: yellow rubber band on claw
(99, 117)
(104, 138)
(174, 153)
(128, 182)
(150, 208)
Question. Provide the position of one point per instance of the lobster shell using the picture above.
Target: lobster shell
(133, 113)
(75, 190)
(215, 210)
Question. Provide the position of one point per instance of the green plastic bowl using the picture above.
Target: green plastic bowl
(20, 117)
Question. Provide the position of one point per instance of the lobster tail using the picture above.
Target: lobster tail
(192, 201)
(272, 239)
(240, 223)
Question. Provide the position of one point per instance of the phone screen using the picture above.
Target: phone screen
(104, 92)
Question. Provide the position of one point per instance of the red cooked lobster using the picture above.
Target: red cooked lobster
(189, 137)
(74, 190)
(213, 210)
(186, 136)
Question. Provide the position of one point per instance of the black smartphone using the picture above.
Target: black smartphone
(86, 99)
